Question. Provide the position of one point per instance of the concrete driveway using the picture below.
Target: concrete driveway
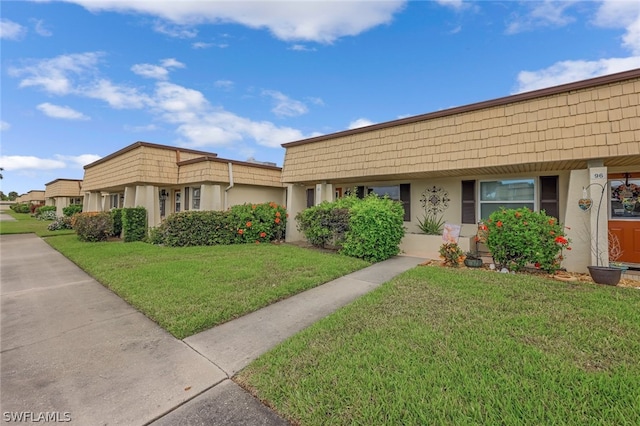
(73, 348)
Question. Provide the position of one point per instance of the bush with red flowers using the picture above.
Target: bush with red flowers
(521, 237)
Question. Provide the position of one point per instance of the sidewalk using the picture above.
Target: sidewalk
(69, 345)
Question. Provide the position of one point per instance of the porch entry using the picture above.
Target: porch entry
(624, 215)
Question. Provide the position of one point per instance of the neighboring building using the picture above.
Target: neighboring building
(62, 193)
(537, 149)
(166, 179)
(35, 196)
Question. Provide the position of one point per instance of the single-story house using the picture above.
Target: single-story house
(167, 179)
(62, 193)
(546, 150)
(35, 196)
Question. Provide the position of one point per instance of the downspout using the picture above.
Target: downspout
(226, 190)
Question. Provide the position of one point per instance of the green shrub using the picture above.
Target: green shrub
(134, 224)
(521, 237)
(72, 209)
(257, 223)
(116, 215)
(194, 228)
(320, 225)
(34, 207)
(46, 213)
(376, 226)
(63, 222)
(93, 226)
(246, 223)
(20, 208)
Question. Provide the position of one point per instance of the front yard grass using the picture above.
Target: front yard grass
(447, 346)
(190, 289)
(26, 224)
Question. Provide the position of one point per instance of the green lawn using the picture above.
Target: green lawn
(190, 289)
(456, 347)
(26, 224)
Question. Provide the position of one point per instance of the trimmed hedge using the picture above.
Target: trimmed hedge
(116, 215)
(246, 223)
(134, 224)
(20, 208)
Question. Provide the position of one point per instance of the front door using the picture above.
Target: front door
(624, 218)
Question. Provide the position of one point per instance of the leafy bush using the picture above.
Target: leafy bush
(134, 224)
(72, 209)
(46, 213)
(431, 224)
(93, 226)
(194, 228)
(116, 215)
(21, 208)
(376, 226)
(246, 223)
(451, 254)
(256, 223)
(519, 237)
(324, 224)
(63, 222)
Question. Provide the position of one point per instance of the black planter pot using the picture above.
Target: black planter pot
(473, 263)
(605, 274)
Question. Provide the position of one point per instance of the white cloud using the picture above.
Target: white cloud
(55, 75)
(177, 31)
(322, 22)
(224, 84)
(569, 71)
(140, 129)
(158, 72)
(456, 4)
(285, 106)
(10, 30)
(40, 28)
(547, 13)
(64, 112)
(78, 161)
(360, 122)
(151, 71)
(302, 48)
(4, 126)
(201, 45)
(117, 96)
(27, 162)
(622, 14)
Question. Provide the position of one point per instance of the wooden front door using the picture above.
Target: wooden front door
(624, 216)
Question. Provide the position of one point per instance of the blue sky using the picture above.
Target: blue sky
(82, 79)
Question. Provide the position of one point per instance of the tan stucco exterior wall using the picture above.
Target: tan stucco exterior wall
(593, 122)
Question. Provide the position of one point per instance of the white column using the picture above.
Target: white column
(296, 202)
(578, 223)
(129, 196)
(324, 192)
(598, 189)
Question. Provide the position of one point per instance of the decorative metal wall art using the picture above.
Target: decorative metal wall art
(435, 200)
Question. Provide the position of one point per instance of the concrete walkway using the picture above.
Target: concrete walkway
(69, 345)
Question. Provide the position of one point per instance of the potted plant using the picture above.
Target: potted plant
(472, 260)
(601, 274)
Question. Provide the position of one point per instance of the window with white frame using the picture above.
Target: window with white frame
(195, 198)
(75, 200)
(113, 203)
(507, 193)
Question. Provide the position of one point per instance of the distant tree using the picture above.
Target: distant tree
(13, 195)
(3, 197)
(1, 170)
